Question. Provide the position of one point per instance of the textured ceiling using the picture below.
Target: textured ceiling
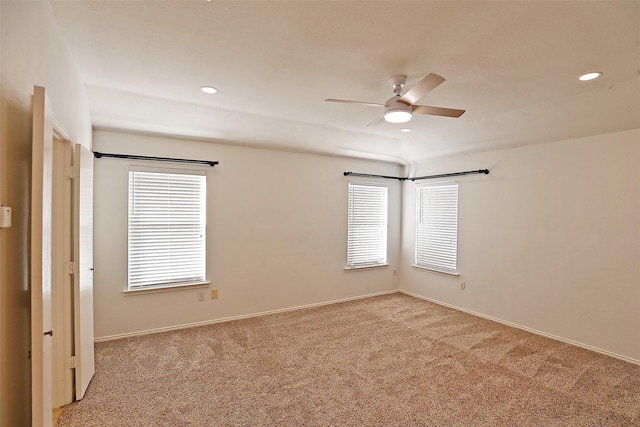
(512, 65)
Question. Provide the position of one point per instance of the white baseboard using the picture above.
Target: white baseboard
(524, 328)
(242, 316)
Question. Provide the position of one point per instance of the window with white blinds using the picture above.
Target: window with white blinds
(367, 225)
(437, 226)
(167, 222)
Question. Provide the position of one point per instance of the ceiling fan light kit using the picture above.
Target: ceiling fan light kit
(397, 112)
(397, 116)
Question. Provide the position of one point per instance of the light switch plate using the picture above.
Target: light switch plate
(5, 217)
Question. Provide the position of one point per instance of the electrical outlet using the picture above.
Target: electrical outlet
(200, 296)
(214, 294)
(463, 285)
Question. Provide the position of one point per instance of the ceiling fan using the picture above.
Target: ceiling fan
(400, 109)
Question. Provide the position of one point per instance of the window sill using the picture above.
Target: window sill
(157, 289)
(433, 270)
(366, 267)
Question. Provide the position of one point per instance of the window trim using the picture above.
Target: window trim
(164, 288)
(367, 267)
(436, 271)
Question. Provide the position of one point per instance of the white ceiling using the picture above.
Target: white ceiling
(512, 65)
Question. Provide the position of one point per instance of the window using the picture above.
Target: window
(367, 225)
(167, 221)
(437, 227)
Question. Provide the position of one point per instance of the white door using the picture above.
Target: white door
(83, 280)
(41, 196)
(61, 271)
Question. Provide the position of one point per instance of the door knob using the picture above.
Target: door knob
(49, 332)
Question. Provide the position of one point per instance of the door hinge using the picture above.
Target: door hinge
(73, 362)
(71, 172)
(71, 267)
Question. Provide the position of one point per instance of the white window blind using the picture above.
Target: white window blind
(166, 228)
(367, 225)
(437, 226)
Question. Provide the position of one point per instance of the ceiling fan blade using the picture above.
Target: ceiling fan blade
(424, 86)
(346, 101)
(376, 122)
(437, 111)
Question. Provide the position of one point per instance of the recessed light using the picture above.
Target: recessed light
(590, 76)
(208, 89)
(405, 130)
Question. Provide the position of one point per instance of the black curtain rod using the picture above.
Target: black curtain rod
(444, 175)
(155, 159)
(373, 176)
(484, 171)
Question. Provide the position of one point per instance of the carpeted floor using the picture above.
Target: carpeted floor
(392, 360)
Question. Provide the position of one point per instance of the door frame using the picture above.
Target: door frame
(41, 201)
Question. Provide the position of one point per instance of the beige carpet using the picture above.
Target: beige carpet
(385, 361)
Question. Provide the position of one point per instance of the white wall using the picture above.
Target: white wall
(32, 52)
(549, 240)
(276, 224)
